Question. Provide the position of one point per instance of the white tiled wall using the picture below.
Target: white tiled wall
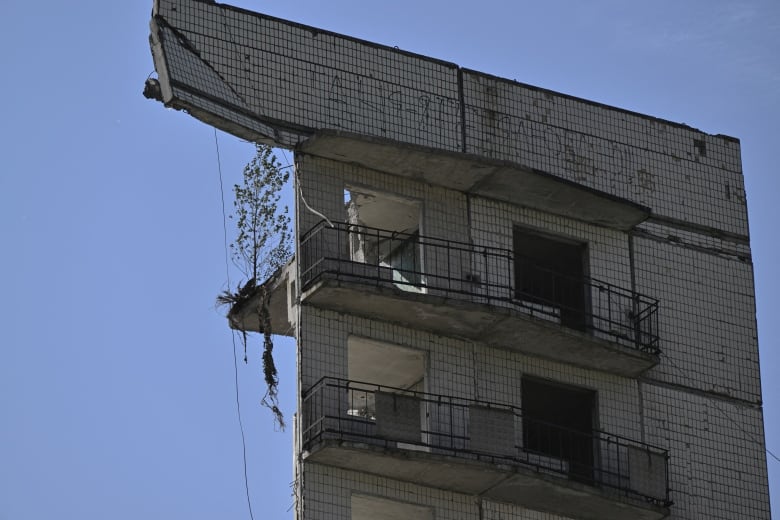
(463, 369)
(305, 79)
(652, 162)
(706, 316)
(718, 463)
(693, 255)
(704, 284)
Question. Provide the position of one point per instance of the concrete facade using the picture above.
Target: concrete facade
(701, 401)
(416, 361)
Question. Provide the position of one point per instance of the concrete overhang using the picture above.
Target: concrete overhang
(533, 489)
(245, 315)
(490, 324)
(496, 179)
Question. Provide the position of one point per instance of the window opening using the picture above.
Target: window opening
(550, 272)
(385, 232)
(372, 364)
(558, 421)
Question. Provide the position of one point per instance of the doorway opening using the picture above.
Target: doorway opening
(558, 421)
(551, 272)
(385, 231)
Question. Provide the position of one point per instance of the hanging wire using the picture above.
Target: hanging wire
(296, 173)
(232, 332)
(303, 199)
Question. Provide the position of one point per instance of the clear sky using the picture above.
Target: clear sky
(117, 396)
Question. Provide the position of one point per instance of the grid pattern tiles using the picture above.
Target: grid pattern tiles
(719, 467)
(685, 268)
(304, 78)
(263, 78)
(677, 171)
(707, 322)
(462, 369)
(300, 79)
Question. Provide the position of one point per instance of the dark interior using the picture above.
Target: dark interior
(558, 421)
(551, 272)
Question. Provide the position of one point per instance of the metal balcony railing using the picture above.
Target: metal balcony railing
(342, 410)
(421, 264)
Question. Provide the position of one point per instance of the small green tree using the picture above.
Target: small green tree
(263, 246)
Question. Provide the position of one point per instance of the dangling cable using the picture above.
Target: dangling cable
(306, 204)
(232, 332)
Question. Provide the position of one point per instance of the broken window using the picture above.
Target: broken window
(550, 273)
(384, 232)
(558, 422)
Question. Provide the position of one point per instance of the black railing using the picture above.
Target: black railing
(480, 274)
(337, 409)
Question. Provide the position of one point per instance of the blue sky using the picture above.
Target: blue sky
(117, 396)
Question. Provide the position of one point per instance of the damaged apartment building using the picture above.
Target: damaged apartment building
(508, 303)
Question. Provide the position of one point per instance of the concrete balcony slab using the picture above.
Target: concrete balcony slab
(491, 178)
(518, 485)
(245, 316)
(495, 325)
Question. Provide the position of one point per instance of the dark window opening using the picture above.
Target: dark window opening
(558, 421)
(551, 273)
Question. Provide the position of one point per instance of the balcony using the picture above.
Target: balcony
(462, 290)
(244, 315)
(479, 175)
(485, 449)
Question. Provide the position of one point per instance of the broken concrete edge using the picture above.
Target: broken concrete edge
(164, 89)
(318, 31)
(241, 315)
(159, 59)
(153, 90)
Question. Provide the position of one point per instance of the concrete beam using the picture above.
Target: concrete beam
(496, 179)
(500, 482)
(490, 324)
